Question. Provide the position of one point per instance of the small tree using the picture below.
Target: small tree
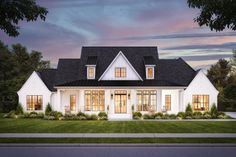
(48, 109)
(213, 111)
(189, 109)
(19, 109)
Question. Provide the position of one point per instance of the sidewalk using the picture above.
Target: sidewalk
(117, 135)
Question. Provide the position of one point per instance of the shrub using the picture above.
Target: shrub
(189, 108)
(55, 114)
(137, 115)
(221, 115)
(70, 116)
(206, 115)
(188, 114)
(80, 114)
(88, 116)
(146, 116)
(19, 109)
(197, 115)
(159, 114)
(26, 115)
(11, 114)
(48, 109)
(93, 117)
(49, 117)
(165, 116)
(172, 116)
(40, 115)
(181, 115)
(213, 111)
(102, 116)
(81, 118)
(33, 115)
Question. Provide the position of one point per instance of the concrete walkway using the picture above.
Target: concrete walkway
(231, 114)
(118, 135)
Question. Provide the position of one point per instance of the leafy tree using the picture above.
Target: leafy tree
(219, 73)
(48, 109)
(213, 111)
(216, 14)
(14, 11)
(16, 65)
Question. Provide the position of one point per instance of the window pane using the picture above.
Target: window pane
(146, 100)
(200, 102)
(72, 102)
(150, 72)
(94, 100)
(168, 102)
(34, 102)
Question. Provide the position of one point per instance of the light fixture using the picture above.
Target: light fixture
(111, 95)
(129, 96)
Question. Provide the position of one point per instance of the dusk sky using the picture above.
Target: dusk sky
(167, 24)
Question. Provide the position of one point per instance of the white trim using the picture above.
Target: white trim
(34, 73)
(200, 71)
(120, 53)
(153, 72)
(94, 72)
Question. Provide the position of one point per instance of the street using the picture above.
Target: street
(173, 150)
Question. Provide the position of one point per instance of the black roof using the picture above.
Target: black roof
(48, 77)
(168, 72)
(91, 60)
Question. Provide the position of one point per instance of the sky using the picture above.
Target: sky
(167, 24)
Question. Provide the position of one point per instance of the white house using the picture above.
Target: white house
(118, 80)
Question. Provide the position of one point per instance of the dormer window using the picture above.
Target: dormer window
(150, 72)
(120, 72)
(91, 72)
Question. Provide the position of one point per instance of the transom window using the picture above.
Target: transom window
(91, 72)
(146, 100)
(72, 102)
(94, 100)
(120, 72)
(168, 102)
(34, 102)
(201, 102)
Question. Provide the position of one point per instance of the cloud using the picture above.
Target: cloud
(177, 36)
(206, 57)
(226, 46)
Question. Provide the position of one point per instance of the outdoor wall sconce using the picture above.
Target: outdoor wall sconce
(111, 95)
(129, 96)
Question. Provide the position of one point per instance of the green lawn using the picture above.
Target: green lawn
(46, 126)
(118, 140)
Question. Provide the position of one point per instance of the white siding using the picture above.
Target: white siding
(200, 85)
(174, 100)
(34, 86)
(120, 61)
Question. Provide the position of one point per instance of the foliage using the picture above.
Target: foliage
(189, 108)
(11, 114)
(158, 115)
(48, 109)
(80, 114)
(93, 117)
(165, 116)
(102, 116)
(207, 115)
(172, 116)
(137, 115)
(197, 115)
(16, 65)
(217, 14)
(55, 114)
(19, 109)
(14, 11)
(181, 114)
(213, 111)
(70, 116)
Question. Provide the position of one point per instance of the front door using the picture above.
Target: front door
(120, 101)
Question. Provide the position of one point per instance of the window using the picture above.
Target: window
(34, 102)
(150, 72)
(168, 102)
(94, 100)
(201, 102)
(72, 102)
(120, 72)
(146, 100)
(91, 72)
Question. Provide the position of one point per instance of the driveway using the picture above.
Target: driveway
(231, 114)
(184, 150)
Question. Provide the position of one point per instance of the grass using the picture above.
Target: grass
(117, 140)
(46, 126)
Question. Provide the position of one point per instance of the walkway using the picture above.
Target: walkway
(118, 135)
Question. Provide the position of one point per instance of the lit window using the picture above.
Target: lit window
(120, 72)
(150, 72)
(201, 102)
(94, 100)
(168, 102)
(146, 100)
(72, 102)
(91, 72)
(34, 102)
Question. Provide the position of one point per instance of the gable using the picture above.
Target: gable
(120, 61)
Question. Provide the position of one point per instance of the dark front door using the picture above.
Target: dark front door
(120, 101)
